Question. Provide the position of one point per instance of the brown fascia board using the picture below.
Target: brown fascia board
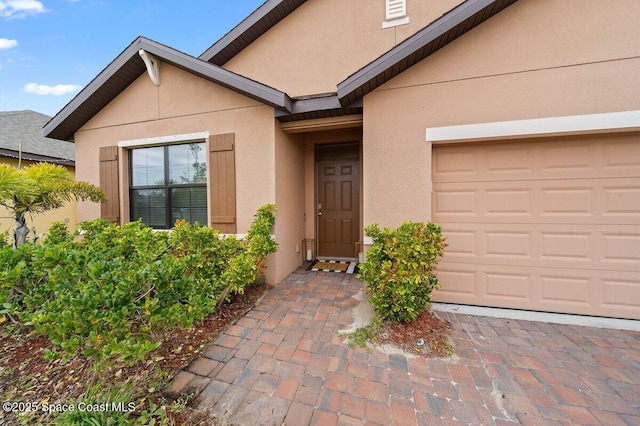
(251, 28)
(317, 107)
(128, 66)
(430, 39)
(221, 76)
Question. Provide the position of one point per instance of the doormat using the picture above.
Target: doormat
(340, 266)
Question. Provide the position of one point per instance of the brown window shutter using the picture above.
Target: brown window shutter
(109, 183)
(222, 166)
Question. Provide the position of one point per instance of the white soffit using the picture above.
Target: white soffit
(164, 140)
(625, 121)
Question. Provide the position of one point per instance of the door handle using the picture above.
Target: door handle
(319, 213)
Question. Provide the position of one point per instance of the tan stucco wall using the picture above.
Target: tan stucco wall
(323, 42)
(41, 222)
(537, 58)
(290, 196)
(184, 103)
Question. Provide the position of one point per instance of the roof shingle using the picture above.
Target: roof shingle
(26, 126)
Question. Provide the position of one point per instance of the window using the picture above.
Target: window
(169, 183)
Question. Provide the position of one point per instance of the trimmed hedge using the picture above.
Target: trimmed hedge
(108, 293)
(400, 266)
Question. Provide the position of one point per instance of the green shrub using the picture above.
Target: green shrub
(110, 292)
(400, 268)
(59, 233)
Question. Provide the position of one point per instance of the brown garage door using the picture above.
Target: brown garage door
(547, 225)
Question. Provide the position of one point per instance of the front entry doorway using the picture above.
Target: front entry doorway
(338, 213)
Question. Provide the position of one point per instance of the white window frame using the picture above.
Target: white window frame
(164, 140)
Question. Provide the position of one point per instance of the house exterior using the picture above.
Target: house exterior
(512, 123)
(21, 137)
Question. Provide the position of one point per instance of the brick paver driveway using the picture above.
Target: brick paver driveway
(283, 363)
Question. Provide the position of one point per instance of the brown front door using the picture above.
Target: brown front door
(337, 209)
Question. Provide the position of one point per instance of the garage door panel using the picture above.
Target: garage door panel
(508, 202)
(562, 202)
(500, 286)
(510, 162)
(508, 244)
(622, 201)
(458, 202)
(606, 293)
(621, 156)
(566, 289)
(460, 282)
(508, 286)
(455, 166)
(621, 247)
(551, 225)
(568, 158)
(595, 201)
(578, 246)
(609, 157)
(620, 292)
(462, 243)
(567, 249)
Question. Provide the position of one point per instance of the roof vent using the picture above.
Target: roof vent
(396, 13)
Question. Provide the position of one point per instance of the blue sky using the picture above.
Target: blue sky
(50, 49)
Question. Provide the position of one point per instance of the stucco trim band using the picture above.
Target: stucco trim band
(612, 122)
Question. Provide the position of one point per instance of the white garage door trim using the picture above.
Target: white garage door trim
(613, 122)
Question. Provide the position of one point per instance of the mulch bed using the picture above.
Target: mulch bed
(26, 376)
(427, 336)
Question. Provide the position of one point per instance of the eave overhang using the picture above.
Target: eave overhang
(318, 107)
(128, 66)
(247, 31)
(425, 42)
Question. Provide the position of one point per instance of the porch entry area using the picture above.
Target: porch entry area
(338, 200)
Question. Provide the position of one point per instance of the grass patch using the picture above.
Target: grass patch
(363, 335)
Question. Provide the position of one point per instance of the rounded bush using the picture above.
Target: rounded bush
(400, 266)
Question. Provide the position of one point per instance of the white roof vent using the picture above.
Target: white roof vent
(396, 13)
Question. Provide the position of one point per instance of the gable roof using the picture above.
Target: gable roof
(439, 33)
(247, 31)
(425, 42)
(128, 66)
(26, 127)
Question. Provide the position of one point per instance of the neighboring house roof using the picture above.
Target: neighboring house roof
(128, 66)
(348, 100)
(25, 127)
(247, 31)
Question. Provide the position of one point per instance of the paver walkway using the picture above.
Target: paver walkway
(283, 363)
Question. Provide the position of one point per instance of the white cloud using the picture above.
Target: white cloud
(7, 43)
(20, 8)
(59, 89)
